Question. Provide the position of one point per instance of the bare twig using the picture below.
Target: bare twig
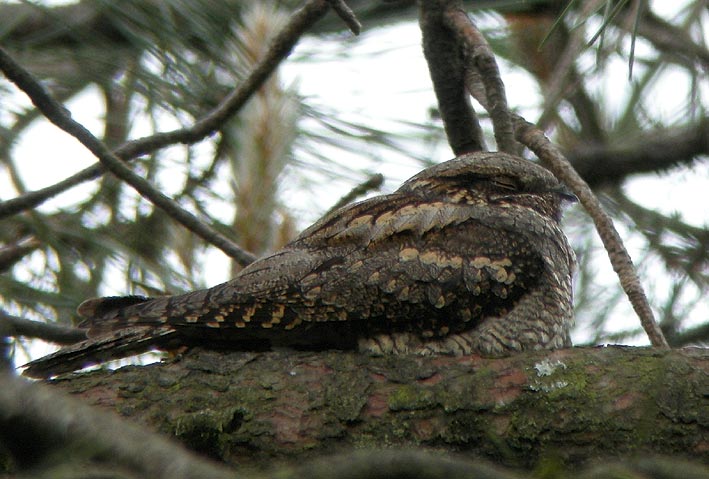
(15, 326)
(35, 198)
(373, 183)
(622, 264)
(281, 46)
(347, 15)
(61, 117)
(11, 254)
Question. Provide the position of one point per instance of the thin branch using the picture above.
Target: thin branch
(466, 32)
(15, 326)
(35, 198)
(622, 264)
(281, 46)
(373, 183)
(11, 254)
(347, 15)
(61, 117)
(480, 57)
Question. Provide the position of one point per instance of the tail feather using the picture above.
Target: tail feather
(97, 307)
(116, 345)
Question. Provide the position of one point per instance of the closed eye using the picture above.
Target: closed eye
(505, 182)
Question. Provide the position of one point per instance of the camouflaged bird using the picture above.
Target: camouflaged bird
(465, 257)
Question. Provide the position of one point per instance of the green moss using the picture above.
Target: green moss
(408, 397)
(206, 431)
(462, 393)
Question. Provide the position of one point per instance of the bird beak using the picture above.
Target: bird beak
(566, 194)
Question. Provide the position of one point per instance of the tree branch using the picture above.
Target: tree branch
(281, 46)
(347, 15)
(652, 152)
(285, 407)
(444, 64)
(39, 425)
(61, 117)
(15, 326)
(480, 61)
(535, 140)
(619, 257)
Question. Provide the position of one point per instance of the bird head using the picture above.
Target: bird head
(493, 179)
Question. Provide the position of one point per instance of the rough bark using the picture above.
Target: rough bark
(570, 406)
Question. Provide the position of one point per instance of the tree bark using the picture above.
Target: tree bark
(570, 406)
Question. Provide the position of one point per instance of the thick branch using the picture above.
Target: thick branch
(443, 56)
(478, 55)
(575, 404)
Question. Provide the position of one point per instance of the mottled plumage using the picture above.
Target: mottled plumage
(467, 256)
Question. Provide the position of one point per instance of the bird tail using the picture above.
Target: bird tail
(119, 344)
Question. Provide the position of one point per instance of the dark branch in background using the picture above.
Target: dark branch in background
(38, 424)
(535, 140)
(373, 183)
(11, 254)
(376, 464)
(281, 46)
(15, 326)
(654, 151)
(445, 65)
(695, 335)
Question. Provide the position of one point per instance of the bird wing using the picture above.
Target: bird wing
(434, 270)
